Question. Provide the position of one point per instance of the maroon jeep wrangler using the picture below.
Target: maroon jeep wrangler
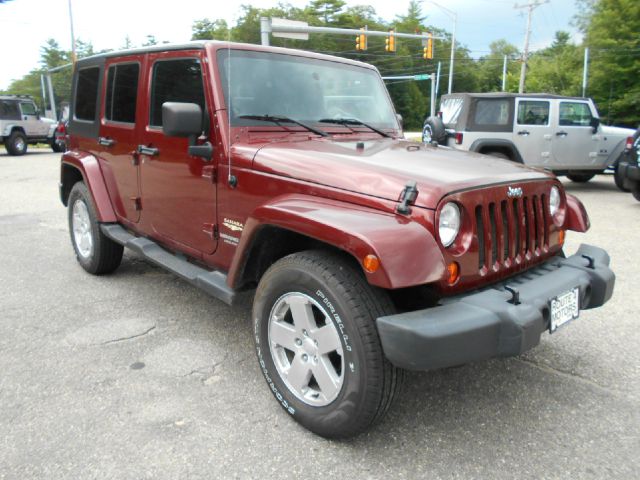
(242, 167)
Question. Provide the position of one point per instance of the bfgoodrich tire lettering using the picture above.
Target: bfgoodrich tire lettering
(368, 381)
(100, 254)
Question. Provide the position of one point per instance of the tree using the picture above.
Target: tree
(611, 32)
(556, 69)
(489, 72)
(206, 29)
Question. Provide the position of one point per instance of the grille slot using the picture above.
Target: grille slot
(506, 234)
(480, 231)
(494, 235)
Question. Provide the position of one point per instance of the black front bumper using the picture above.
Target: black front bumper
(489, 323)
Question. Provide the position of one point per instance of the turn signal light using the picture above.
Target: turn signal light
(458, 138)
(371, 263)
(453, 271)
(561, 234)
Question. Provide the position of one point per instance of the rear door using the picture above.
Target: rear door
(118, 134)
(178, 190)
(575, 146)
(533, 132)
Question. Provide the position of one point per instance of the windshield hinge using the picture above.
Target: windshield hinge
(407, 197)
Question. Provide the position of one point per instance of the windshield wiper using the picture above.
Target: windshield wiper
(354, 121)
(278, 120)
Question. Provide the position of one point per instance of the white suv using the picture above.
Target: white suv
(21, 124)
(561, 134)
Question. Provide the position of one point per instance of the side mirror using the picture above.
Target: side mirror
(400, 120)
(595, 123)
(181, 119)
(185, 120)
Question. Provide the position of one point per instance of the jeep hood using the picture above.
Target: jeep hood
(382, 168)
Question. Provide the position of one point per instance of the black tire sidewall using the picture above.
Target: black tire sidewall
(11, 144)
(340, 417)
(438, 132)
(80, 192)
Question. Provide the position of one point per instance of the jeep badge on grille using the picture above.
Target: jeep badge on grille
(514, 192)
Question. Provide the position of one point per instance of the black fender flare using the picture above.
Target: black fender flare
(500, 143)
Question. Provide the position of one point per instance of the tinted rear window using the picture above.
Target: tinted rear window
(175, 81)
(492, 112)
(87, 94)
(122, 90)
(9, 110)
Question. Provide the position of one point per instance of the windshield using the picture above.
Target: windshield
(304, 89)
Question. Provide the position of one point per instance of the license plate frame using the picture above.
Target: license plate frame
(564, 308)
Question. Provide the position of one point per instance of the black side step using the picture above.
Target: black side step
(214, 283)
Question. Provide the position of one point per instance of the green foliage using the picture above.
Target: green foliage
(557, 69)
(611, 29)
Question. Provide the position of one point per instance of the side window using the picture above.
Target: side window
(122, 92)
(9, 110)
(28, 108)
(87, 94)
(575, 114)
(533, 112)
(175, 81)
(492, 112)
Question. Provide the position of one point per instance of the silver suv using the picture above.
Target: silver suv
(561, 134)
(21, 124)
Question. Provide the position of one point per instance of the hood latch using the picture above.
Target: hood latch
(407, 197)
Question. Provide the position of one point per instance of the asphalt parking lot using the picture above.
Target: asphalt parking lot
(139, 375)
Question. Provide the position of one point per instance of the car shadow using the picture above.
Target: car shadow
(604, 183)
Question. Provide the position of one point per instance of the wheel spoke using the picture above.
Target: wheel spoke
(284, 335)
(326, 377)
(302, 314)
(327, 338)
(299, 373)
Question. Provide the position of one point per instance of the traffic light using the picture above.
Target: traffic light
(361, 41)
(390, 42)
(428, 49)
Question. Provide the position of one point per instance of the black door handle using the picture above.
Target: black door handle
(150, 151)
(106, 142)
(523, 132)
(561, 134)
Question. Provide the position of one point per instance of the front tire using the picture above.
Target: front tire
(96, 253)
(318, 346)
(16, 144)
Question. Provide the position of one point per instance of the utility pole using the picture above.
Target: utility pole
(454, 16)
(73, 38)
(504, 74)
(585, 72)
(525, 54)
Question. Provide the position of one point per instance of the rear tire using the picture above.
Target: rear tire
(581, 177)
(328, 294)
(96, 253)
(619, 178)
(56, 147)
(16, 144)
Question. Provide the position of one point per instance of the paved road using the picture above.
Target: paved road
(139, 375)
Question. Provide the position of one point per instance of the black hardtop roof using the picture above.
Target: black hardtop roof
(201, 44)
(512, 95)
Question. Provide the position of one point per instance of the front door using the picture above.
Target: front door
(532, 131)
(575, 146)
(117, 142)
(32, 125)
(178, 190)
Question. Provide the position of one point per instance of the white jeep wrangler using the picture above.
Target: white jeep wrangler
(561, 134)
(21, 124)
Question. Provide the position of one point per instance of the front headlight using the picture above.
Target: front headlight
(554, 200)
(449, 223)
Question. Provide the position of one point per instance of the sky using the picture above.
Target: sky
(27, 24)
